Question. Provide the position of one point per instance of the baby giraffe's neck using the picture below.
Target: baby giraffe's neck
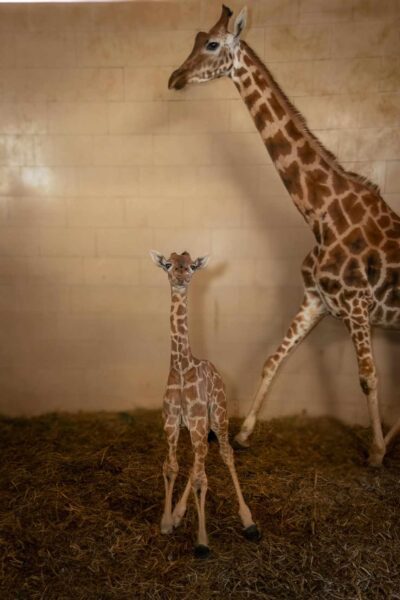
(181, 354)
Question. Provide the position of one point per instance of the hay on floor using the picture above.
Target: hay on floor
(81, 499)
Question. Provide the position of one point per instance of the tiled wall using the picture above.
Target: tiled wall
(99, 162)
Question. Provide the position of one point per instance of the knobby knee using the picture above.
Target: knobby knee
(269, 365)
(199, 481)
(170, 469)
(226, 453)
(368, 378)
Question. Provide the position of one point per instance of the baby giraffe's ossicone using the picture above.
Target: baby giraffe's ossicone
(194, 398)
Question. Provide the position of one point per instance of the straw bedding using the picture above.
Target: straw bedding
(81, 499)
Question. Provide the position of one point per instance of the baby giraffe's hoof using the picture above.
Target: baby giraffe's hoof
(252, 533)
(201, 551)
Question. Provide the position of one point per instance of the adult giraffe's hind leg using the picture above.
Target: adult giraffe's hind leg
(360, 332)
(310, 313)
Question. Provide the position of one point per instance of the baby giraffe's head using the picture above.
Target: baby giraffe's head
(212, 54)
(179, 268)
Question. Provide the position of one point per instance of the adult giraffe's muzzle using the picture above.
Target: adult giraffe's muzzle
(177, 81)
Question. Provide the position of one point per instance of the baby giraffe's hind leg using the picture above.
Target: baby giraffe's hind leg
(251, 531)
(170, 472)
(199, 487)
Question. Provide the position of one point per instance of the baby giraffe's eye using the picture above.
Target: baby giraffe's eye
(193, 267)
(168, 265)
(212, 46)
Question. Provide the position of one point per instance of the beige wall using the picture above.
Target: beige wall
(99, 162)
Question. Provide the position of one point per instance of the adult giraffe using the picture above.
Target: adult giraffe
(353, 271)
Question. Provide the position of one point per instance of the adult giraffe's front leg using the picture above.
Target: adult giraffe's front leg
(360, 331)
(310, 313)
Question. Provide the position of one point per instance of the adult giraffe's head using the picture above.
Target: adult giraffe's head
(212, 54)
(179, 267)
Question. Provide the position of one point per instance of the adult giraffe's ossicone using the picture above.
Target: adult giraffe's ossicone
(353, 271)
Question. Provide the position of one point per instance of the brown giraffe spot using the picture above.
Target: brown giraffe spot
(240, 71)
(352, 274)
(173, 377)
(353, 208)
(191, 375)
(337, 215)
(316, 229)
(246, 82)
(373, 263)
(373, 233)
(384, 221)
(252, 98)
(355, 241)
(181, 310)
(390, 315)
(278, 145)
(391, 281)
(306, 153)
(393, 298)
(262, 116)
(198, 410)
(330, 286)
(371, 201)
(328, 235)
(293, 131)
(247, 60)
(291, 179)
(339, 183)
(316, 192)
(276, 107)
(334, 260)
(392, 251)
(307, 278)
(318, 175)
(259, 80)
(394, 231)
(191, 392)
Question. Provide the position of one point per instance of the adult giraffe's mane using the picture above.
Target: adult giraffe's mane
(301, 122)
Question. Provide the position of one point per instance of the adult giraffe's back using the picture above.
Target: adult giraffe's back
(353, 271)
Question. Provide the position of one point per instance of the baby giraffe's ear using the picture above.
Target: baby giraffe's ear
(201, 262)
(158, 259)
(240, 22)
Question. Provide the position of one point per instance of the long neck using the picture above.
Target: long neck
(305, 167)
(180, 346)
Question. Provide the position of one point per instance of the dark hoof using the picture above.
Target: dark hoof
(236, 445)
(201, 551)
(252, 533)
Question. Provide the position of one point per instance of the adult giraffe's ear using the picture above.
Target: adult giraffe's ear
(159, 260)
(200, 262)
(240, 22)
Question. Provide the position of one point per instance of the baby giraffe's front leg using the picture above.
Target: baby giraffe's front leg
(170, 472)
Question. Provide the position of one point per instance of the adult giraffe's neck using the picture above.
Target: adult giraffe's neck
(180, 346)
(306, 168)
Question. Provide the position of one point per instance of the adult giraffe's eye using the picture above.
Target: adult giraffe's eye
(212, 46)
(168, 265)
(193, 267)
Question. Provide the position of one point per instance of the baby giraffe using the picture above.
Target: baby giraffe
(195, 398)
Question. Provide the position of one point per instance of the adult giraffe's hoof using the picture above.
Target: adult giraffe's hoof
(241, 441)
(201, 551)
(375, 458)
(252, 533)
